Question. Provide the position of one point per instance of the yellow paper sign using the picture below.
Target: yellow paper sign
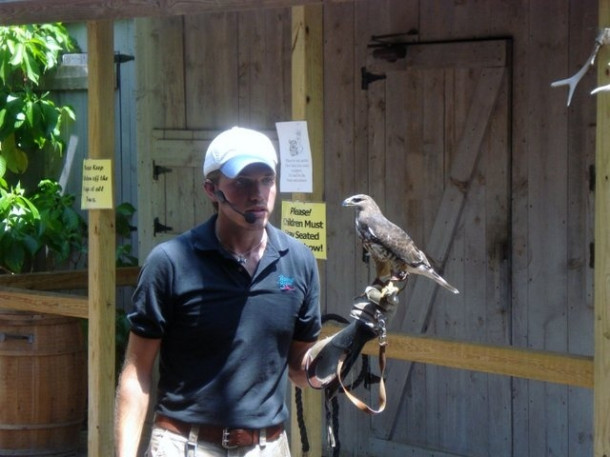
(307, 223)
(97, 184)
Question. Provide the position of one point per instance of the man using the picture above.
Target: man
(232, 307)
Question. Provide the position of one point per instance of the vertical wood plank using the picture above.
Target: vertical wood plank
(546, 315)
(345, 120)
(264, 79)
(601, 362)
(340, 119)
(580, 201)
(102, 238)
(160, 102)
(496, 270)
(307, 104)
(211, 44)
(508, 19)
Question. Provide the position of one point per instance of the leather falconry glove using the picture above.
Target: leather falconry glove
(371, 312)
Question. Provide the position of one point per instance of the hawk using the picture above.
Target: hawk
(394, 252)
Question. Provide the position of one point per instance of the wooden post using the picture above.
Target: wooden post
(601, 361)
(102, 241)
(307, 104)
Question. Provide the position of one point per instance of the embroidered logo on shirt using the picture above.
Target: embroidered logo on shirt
(286, 283)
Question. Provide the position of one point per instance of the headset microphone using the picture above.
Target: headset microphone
(249, 217)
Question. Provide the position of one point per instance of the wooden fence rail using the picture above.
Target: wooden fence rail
(544, 366)
(65, 280)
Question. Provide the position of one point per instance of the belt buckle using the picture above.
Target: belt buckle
(226, 437)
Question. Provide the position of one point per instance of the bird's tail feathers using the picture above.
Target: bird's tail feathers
(440, 280)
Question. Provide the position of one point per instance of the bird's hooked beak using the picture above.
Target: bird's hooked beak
(348, 202)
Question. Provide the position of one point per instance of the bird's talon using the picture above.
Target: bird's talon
(373, 294)
(389, 290)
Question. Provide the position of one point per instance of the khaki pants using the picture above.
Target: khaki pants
(164, 443)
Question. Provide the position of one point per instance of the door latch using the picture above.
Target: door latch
(159, 170)
(160, 228)
(368, 78)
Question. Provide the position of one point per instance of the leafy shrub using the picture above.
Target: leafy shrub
(44, 223)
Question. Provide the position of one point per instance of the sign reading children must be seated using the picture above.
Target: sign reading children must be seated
(306, 222)
(97, 184)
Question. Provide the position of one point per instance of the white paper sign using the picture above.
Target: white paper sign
(295, 157)
(97, 184)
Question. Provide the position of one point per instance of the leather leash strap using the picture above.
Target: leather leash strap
(382, 393)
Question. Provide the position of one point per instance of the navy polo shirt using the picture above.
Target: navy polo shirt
(226, 335)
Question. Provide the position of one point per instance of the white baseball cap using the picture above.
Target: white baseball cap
(234, 149)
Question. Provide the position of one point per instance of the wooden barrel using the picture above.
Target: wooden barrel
(43, 384)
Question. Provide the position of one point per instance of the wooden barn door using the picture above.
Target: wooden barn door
(439, 165)
(177, 201)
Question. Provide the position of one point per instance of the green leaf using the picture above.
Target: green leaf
(32, 244)
(11, 111)
(29, 112)
(49, 114)
(68, 112)
(32, 69)
(26, 53)
(2, 166)
(16, 158)
(18, 53)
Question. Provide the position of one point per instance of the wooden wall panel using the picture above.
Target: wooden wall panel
(236, 69)
(342, 156)
(540, 122)
(264, 67)
(602, 257)
(349, 167)
(211, 51)
(581, 157)
(340, 160)
(211, 72)
(544, 312)
(160, 103)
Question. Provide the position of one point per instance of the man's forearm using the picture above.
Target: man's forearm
(131, 407)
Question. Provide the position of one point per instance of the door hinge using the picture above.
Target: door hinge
(158, 227)
(159, 170)
(592, 178)
(368, 78)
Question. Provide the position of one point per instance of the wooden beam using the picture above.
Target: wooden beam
(44, 302)
(65, 280)
(601, 392)
(37, 11)
(543, 366)
(307, 104)
(102, 240)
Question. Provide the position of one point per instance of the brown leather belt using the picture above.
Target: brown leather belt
(228, 438)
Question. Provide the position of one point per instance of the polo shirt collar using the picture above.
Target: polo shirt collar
(204, 239)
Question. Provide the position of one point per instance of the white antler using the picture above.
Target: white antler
(602, 38)
(605, 88)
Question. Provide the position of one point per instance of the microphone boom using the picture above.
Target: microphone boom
(248, 217)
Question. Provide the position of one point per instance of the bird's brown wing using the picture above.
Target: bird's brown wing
(389, 243)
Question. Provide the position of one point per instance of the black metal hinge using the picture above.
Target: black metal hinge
(159, 170)
(158, 227)
(368, 78)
